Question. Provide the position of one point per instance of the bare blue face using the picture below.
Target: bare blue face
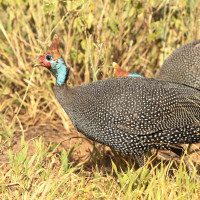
(57, 67)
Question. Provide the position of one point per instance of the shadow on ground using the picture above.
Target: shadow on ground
(84, 150)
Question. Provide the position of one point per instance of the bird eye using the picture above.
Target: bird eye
(48, 57)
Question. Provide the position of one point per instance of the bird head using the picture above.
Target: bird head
(119, 71)
(54, 62)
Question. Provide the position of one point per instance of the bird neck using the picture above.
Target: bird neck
(134, 74)
(62, 73)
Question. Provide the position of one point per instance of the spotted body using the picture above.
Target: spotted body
(131, 115)
(183, 65)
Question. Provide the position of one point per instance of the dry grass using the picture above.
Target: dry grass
(138, 35)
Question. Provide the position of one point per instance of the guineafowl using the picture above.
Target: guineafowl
(183, 65)
(131, 115)
(122, 73)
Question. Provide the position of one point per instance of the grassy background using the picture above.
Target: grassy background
(138, 35)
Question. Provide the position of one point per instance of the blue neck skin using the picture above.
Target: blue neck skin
(61, 69)
(61, 75)
(135, 75)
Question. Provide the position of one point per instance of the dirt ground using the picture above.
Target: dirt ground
(54, 133)
(57, 134)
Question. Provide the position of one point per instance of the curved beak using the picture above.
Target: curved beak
(39, 60)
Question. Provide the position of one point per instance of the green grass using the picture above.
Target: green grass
(48, 174)
(138, 35)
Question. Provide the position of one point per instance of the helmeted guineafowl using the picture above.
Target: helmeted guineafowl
(183, 65)
(121, 73)
(131, 115)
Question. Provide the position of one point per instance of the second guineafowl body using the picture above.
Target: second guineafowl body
(131, 115)
(183, 65)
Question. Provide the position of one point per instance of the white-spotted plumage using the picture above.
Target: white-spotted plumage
(183, 65)
(133, 115)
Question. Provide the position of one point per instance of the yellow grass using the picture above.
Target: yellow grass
(42, 155)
